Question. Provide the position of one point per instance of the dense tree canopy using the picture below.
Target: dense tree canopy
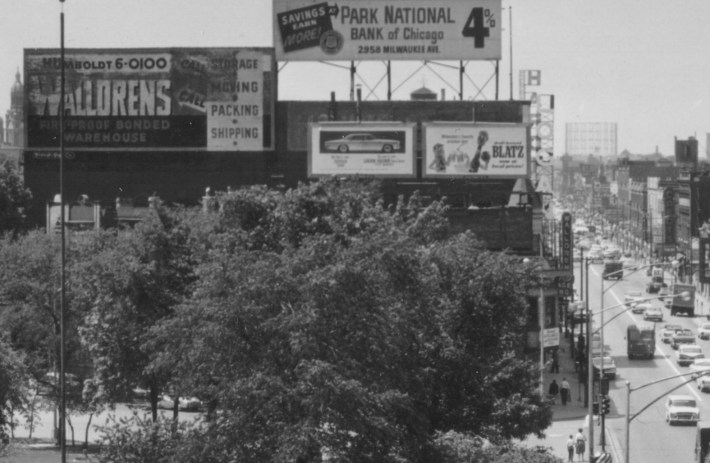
(312, 322)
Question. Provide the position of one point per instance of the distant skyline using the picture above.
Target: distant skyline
(637, 63)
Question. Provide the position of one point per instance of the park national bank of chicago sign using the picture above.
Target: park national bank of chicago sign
(202, 99)
(312, 30)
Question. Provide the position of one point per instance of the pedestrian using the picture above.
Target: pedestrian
(565, 391)
(555, 366)
(580, 442)
(553, 391)
(570, 448)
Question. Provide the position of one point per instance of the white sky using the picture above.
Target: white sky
(639, 63)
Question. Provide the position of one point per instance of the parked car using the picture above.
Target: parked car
(704, 331)
(631, 298)
(641, 308)
(682, 409)
(597, 347)
(683, 336)
(653, 313)
(668, 331)
(362, 142)
(607, 365)
(688, 353)
(188, 404)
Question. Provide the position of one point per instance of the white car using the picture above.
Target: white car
(699, 366)
(188, 404)
(632, 297)
(653, 313)
(682, 409)
(704, 331)
(688, 353)
(668, 331)
(641, 308)
(608, 366)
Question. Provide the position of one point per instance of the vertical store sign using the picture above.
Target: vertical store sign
(235, 103)
(567, 241)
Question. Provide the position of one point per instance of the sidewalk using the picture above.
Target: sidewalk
(568, 419)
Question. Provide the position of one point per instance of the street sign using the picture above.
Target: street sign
(550, 337)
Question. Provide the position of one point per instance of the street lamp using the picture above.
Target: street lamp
(62, 349)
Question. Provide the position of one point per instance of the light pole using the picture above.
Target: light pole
(62, 350)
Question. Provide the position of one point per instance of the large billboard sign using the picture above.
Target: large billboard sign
(317, 30)
(454, 149)
(366, 149)
(210, 99)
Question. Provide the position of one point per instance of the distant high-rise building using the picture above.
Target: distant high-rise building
(596, 138)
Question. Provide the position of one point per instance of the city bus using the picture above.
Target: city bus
(641, 340)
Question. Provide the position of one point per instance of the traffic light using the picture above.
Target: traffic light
(595, 408)
(606, 404)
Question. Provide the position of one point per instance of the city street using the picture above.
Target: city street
(651, 438)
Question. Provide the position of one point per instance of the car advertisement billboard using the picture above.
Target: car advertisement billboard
(367, 149)
(316, 30)
(210, 99)
(452, 149)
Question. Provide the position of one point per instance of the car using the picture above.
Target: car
(631, 298)
(362, 142)
(700, 365)
(641, 307)
(663, 293)
(703, 383)
(682, 336)
(654, 287)
(668, 331)
(188, 404)
(607, 364)
(653, 313)
(704, 331)
(596, 345)
(682, 409)
(688, 353)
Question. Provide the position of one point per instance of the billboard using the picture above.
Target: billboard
(367, 149)
(208, 99)
(452, 149)
(316, 30)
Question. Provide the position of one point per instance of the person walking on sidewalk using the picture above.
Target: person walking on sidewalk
(570, 449)
(580, 442)
(565, 391)
(553, 391)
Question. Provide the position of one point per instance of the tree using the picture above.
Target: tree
(14, 199)
(353, 330)
(133, 279)
(13, 388)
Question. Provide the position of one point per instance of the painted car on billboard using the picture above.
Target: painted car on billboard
(365, 142)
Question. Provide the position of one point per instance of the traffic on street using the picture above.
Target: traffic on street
(661, 387)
